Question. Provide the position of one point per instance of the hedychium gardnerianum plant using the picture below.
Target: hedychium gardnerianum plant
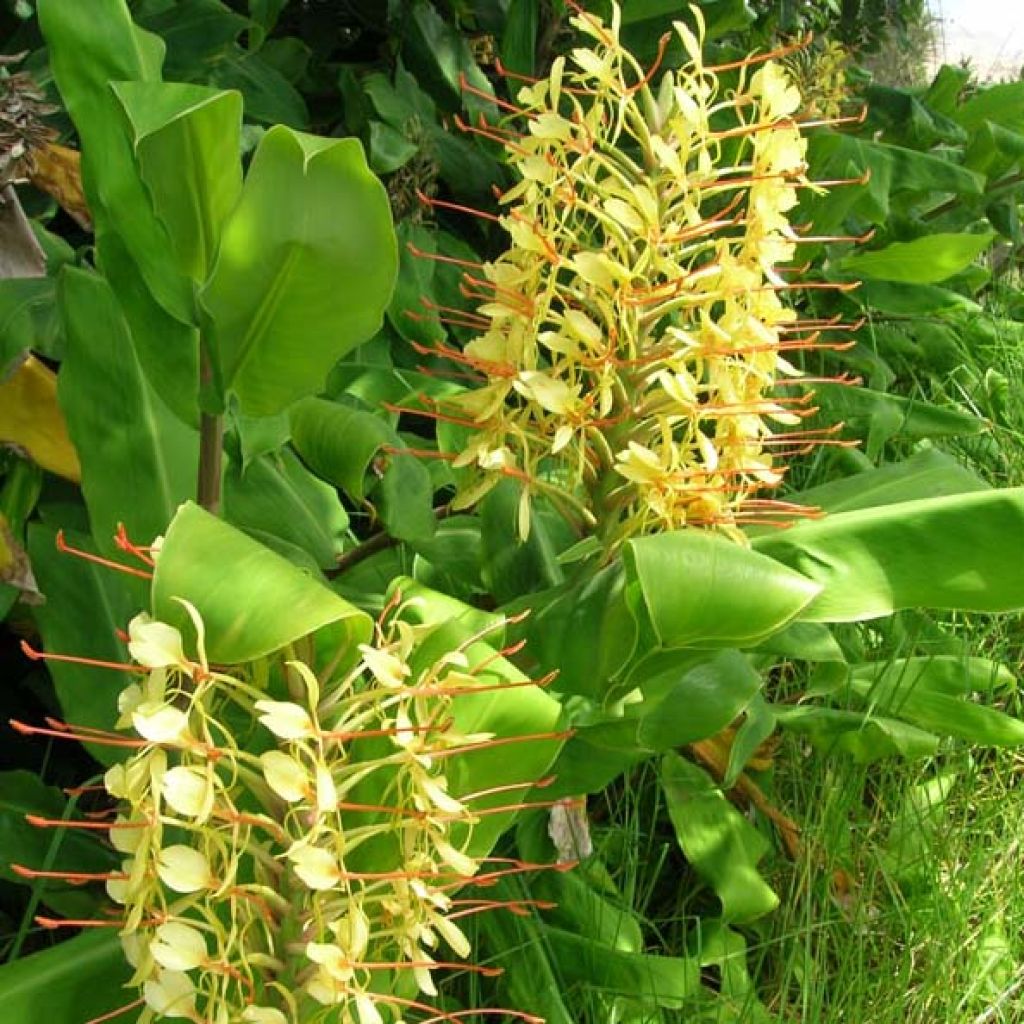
(299, 829)
(633, 338)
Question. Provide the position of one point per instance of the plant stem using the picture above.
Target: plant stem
(211, 444)
(211, 436)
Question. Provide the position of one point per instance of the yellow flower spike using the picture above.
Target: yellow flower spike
(641, 288)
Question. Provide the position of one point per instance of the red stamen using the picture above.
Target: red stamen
(98, 826)
(88, 556)
(53, 923)
(67, 734)
(488, 97)
(74, 877)
(33, 655)
(422, 254)
(455, 207)
(501, 741)
(122, 540)
(116, 1013)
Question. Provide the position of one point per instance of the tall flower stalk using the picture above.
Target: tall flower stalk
(295, 846)
(632, 340)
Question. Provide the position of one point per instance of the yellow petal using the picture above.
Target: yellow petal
(184, 870)
(178, 946)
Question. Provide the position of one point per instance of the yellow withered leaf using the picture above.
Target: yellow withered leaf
(56, 170)
(31, 419)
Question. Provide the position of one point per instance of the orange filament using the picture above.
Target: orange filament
(33, 655)
(88, 556)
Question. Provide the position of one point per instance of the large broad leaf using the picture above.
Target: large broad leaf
(865, 739)
(90, 46)
(929, 473)
(306, 267)
(187, 146)
(700, 590)
(76, 980)
(933, 693)
(949, 552)
(277, 495)
(676, 698)
(86, 605)
(925, 260)
(138, 461)
(252, 601)
(718, 841)
(23, 793)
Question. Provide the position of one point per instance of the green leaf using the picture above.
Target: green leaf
(933, 693)
(439, 56)
(519, 40)
(187, 142)
(667, 981)
(865, 739)
(531, 977)
(718, 841)
(167, 349)
(926, 260)
(1002, 104)
(929, 473)
(76, 980)
(86, 605)
(699, 590)
(138, 461)
(28, 319)
(306, 267)
(948, 552)
(276, 494)
(90, 46)
(196, 33)
(269, 97)
(338, 442)
(912, 299)
(23, 793)
(252, 601)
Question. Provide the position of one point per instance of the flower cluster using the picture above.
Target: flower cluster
(295, 877)
(820, 75)
(632, 336)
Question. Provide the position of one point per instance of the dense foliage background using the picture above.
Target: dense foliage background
(807, 820)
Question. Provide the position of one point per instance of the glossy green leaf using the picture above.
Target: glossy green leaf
(933, 693)
(187, 142)
(665, 981)
(912, 299)
(90, 46)
(195, 32)
(75, 980)
(440, 55)
(252, 601)
(28, 319)
(23, 793)
(584, 631)
(167, 349)
(926, 260)
(404, 499)
(269, 97)
(519, 40)
(929, 473)
(864, 738)
(699, 590)
(338, 442)
(277, 495)
(86, 605)
(947, 552)
(306, 267)
(138, 461)
(723, 847)
(531, 977)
